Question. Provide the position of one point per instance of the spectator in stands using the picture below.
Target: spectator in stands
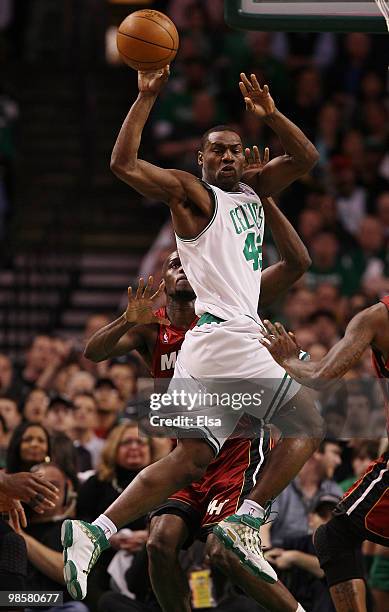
(299, 307)
(362, 455)
(294, 503)
(327, 266)
(325, 327)
(382, 206)
(351, 199)
(84, 424)
(334, 415)
(327, 133)
(109, 405)
(298, 564)
(4, 441)
(80, 382)
(124, 374)
(358, 415)
(10, 413)
(8, 382)
(125, 454)
(64, 454)
(310, 224)
(63, 376)
(29, 444)
(352, 65)
(331, 223)
(370, 176)
(307, 100)
(43, 539)
(38, 358)
(10, 419)
(35, 406)
(59, 416)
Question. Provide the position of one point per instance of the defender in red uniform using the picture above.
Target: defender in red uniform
(363, 512)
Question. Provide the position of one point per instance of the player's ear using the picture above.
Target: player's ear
(200, 158)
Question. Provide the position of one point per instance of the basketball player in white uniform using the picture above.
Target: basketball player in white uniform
(219, 225)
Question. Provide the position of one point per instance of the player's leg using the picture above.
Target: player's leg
(275, 597)
(83, 542)
(302, 430)
(339, 553)
(168, 533)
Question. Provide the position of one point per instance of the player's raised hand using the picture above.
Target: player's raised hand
(254, 163)
(279, 343)
(258, 100)
(152, 81)
(141, 306)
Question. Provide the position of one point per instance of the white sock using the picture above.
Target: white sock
(106, 525)
(252, 508)
(300, 609)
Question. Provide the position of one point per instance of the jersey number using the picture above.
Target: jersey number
(253, 250)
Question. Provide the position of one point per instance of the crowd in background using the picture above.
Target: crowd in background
(69, 417)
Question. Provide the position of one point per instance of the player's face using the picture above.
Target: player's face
(223, 160)
(176, 283)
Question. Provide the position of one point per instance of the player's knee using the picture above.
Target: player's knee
(159, 547)
(340, 558)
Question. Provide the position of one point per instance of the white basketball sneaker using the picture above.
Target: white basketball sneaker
(240, 534)
(82, 545)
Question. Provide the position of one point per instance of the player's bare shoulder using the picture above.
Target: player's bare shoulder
(195, 194)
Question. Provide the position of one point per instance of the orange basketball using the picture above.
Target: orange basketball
(147, 40)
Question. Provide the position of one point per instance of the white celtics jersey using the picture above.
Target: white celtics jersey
(223, 263)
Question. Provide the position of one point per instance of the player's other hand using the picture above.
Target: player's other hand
(141, 306)
(254, 164)
(279, 343)
(32, 489)
(258, 100)
(152, 81)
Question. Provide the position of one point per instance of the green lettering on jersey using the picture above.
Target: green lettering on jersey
(253, 250)
(237, 228)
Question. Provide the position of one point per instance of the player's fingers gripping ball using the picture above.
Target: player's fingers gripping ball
(147, 40)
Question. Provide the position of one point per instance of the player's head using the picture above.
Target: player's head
(221, 157)
(176, 284)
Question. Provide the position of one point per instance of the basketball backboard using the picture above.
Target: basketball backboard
(306, 15)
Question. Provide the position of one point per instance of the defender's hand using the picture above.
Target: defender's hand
(258, 100)
(281, 346)
(254, 164)
(152, 81)
(140, 308)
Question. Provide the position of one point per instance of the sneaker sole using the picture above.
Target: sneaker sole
(230, 545)
(70, 570)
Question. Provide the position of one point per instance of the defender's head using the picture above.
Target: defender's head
(176, 284)
(222, 157)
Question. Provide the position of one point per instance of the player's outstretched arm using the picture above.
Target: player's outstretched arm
(360, 334)
(294, 257)
(149, 180)
(300, 154)
(127, 333)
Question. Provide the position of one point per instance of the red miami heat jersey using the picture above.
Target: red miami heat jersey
(382, 369)
(168, 343)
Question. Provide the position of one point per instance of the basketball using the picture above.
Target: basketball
(147, 40)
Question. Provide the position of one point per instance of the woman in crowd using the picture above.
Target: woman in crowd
(125, 454)
(29, 445)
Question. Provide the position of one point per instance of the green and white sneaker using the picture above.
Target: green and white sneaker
(82, 545)
(240, 534)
